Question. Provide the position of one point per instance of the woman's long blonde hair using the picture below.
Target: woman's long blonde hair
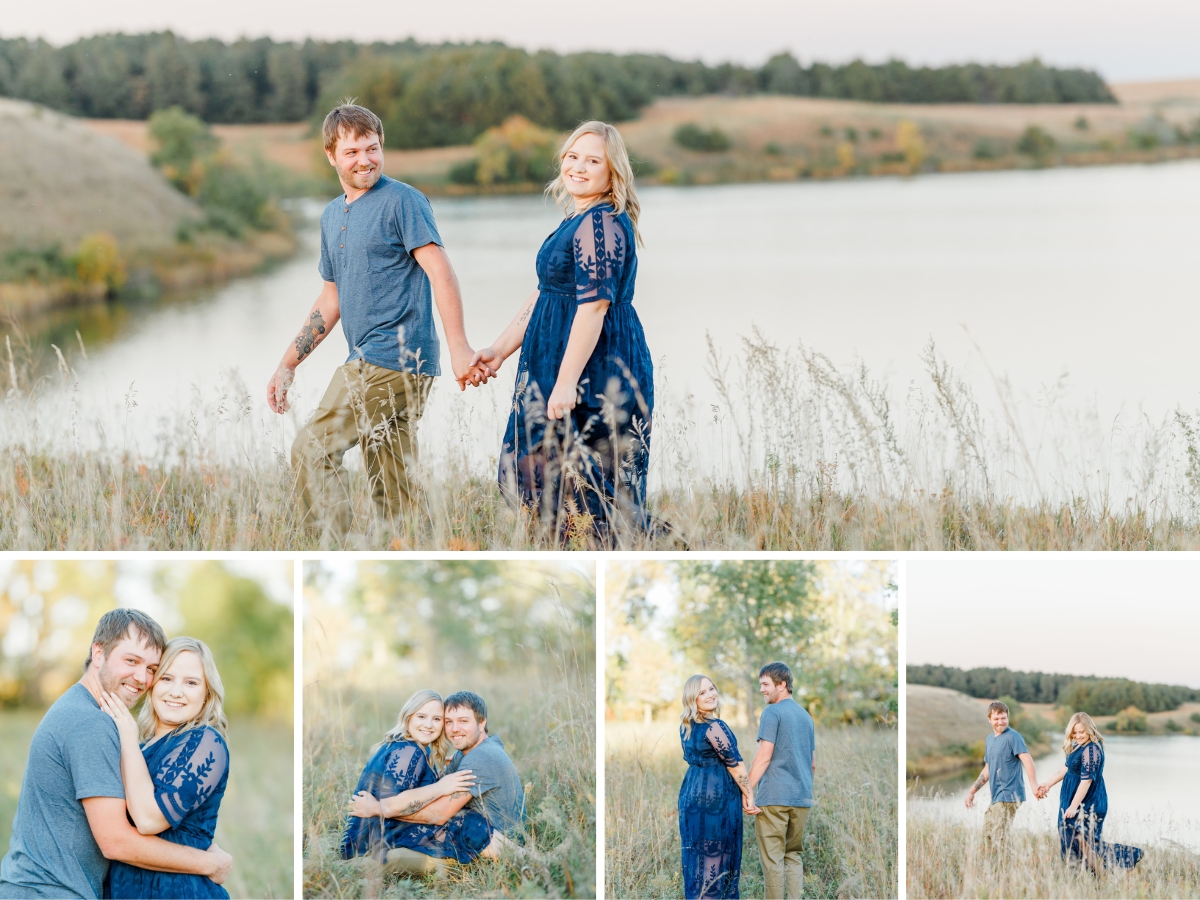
(441, 748)
(622, 193)
(1088, 725)
(691, 714)
(211, 713)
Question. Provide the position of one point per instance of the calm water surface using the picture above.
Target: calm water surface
(1153, 792)
(1082, 274)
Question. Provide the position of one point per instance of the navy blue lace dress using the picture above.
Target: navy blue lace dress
(710, 813)
(594, 462)
(396, 767)
(1086, 763)
(189, 770)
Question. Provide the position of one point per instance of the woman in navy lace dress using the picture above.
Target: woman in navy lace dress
(175, 780)
(715, 791)
(401, 812)
(1083, 800)
(577, 444)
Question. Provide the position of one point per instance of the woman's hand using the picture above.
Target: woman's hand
(562, 400)
(1071, 811)
(127, 726)
(365, 806)
(462, 780)
(489, 360)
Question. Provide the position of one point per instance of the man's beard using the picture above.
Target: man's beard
(112, 684)
(361, 180)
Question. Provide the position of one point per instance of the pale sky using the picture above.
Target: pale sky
(1151, 39)
(1136, 617)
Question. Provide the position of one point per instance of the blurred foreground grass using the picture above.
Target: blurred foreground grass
(256, 820)
(850, 839)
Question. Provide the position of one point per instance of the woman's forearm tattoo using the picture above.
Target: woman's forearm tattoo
(310, 334)
(414, 807)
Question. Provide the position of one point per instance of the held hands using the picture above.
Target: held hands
(127, 726)
(463, 780)
(278, 387)
(365, 806)
(222, 861)
(467, 368)
(748, 806)
(1041, 791)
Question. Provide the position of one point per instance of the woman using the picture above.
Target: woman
(175, 780)
(583, 358)
(404, 766)
(1083, 801)
(715, 790)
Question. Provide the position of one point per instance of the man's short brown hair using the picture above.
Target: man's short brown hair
(114, 626)
(997, 706)
(356, 121)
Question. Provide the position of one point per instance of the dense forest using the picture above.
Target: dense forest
(439, 94)
(1097, 696)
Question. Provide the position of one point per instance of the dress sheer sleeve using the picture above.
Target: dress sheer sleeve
(1089, 767)
(723, 741)
(405, 767)
(190, 773)
(600, 253)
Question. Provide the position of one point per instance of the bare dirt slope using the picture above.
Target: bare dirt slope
(59, 181)
(939, 717)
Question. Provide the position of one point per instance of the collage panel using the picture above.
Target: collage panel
(449, 728)
(1052, 727)
(146, 713)
(750, 728)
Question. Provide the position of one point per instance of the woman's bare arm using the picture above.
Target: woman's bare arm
(585, 332)
(406, 803)
(742, 779)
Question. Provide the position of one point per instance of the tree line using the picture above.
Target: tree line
(441, 94)
(1095, 696)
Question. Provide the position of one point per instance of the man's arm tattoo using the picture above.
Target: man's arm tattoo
(308, 337)
(458, 795)
(979, 782)
(414, 806)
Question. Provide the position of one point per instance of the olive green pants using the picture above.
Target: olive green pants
(376, 410)
(996, 821)
(779, 831)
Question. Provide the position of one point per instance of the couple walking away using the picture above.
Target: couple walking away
(99, 815)
(420, 806)
(1082, 800)
(577, 443)
(717, 789)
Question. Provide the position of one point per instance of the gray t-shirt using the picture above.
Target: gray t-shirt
(497, 793)
(788, 779)
(75, 753)
(1004, 769)
(366, 249)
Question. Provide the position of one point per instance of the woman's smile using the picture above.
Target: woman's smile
(179, 694)
(425, 725)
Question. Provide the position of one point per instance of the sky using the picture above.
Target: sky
(1076, 614)
(1153, 39)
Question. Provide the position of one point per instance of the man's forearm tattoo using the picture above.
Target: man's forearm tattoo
(309, 335)
(458, 795)
(979, 782)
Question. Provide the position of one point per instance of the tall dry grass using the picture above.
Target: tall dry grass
(851, 837)
(947, 859)
(799, 454)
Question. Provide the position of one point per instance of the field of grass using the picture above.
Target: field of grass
(947, 859)
(256, 822)
(550, 736)
(851, 837)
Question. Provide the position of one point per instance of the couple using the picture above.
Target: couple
(577, 443)
(1082, 800)
(99, 815)
(417, 806)
(717, 789)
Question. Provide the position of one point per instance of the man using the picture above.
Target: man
(71, 817)
(381, 256)
(783, 770)
(1004, 756)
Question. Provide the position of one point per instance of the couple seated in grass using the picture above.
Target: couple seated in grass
(576, 446)
(419, 806)
(1082, 800)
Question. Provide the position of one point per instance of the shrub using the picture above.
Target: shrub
(1195, 717)
(875, 134)
(466, 172)
(1172, 725)
(1036, 142)
(183, 141)
(1082, 124)
(772, 149)
(985, 150)
(911, 144)
(515, 152)
(98, 261)
(691, 136)
(1130, 720)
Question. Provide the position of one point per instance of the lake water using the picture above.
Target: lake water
(1153, 792)
(1080, 278)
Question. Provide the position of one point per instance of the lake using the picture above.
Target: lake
(1153, 792)
(1072, 283)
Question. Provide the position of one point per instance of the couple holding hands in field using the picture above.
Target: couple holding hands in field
(717, 790)
(576, 446)
(1082, 800)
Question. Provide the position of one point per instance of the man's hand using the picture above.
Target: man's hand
(365, 806)
(278, 387)
(465, 372)
(222, 862)
(462, 780)
(970, 801)
(489, 359)
(562, 400)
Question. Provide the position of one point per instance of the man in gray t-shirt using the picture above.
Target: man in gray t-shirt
(497, 793)
(1004, 756)
(782, 770)
(71, 817)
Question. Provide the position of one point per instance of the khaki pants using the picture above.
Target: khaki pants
(377, 410)
(779, 830)
(995, 826)
(401, 861)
